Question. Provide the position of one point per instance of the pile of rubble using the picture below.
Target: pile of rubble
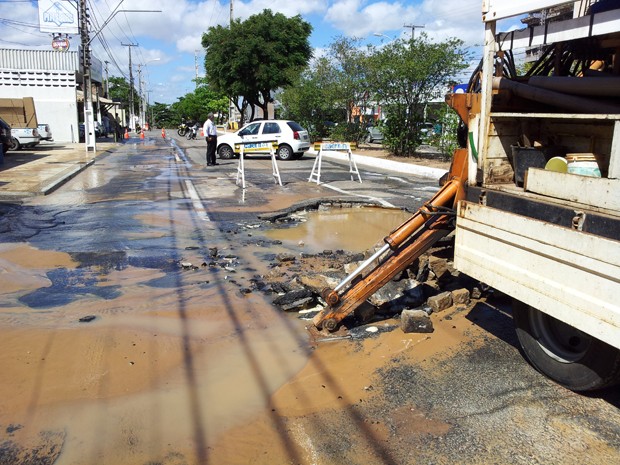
(429, 285)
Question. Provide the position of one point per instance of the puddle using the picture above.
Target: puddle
(352, 229)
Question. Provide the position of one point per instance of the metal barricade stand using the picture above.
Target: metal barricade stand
(335, 146)
(257, 147)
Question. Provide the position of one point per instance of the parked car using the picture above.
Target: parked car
(45, 132)
(24, 138)
(5, 135)
(374, 134)
(293, 140)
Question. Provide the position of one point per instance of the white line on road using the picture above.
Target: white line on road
(342, 191)
(195, 198)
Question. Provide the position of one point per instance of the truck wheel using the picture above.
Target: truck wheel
(570, 357)
(15, 145)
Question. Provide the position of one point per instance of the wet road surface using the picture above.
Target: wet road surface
(185, 363)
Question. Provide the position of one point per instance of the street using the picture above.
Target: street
(131, 333)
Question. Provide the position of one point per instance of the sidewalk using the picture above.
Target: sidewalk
(39, 171)
(32, 172)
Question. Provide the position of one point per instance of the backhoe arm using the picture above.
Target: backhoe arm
(402, 246)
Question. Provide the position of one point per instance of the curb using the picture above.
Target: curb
(408, 168)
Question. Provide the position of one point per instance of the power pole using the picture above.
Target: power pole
(412, 26)
(131, 113)
(231, 105)
(107, 80)
(89, 120)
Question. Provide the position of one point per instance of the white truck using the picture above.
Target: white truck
(24, 138)
(535, 190)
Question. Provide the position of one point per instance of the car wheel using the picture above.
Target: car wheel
(570, 357)
(285, 152)
(15, 145)
(225, 152)
(368, 139)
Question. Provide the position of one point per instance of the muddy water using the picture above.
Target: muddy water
(352, 229)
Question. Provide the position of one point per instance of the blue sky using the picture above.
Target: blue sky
(169, 42)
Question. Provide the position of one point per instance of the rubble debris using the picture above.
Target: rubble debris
(295, 300)
(415, 321)
(460, 296)
(395, 296)
(285, 257)
(440, 301)
(87, 319)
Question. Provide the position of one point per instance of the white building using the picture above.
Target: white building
(52, 78)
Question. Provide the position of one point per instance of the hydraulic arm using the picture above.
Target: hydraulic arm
(430, 223)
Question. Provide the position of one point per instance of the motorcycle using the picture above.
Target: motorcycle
(183, 128)
(193, 132)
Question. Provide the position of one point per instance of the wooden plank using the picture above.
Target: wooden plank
(595, 192)
(570, 275)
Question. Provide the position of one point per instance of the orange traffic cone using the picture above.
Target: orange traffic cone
(163, 133)
(126, 134)
(141, 134)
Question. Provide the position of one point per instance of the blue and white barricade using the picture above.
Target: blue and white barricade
(333, 146)
(257, 147)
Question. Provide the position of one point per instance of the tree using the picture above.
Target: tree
(404, 76)
(255, 57)
(196, 105)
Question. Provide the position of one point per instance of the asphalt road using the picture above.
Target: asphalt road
(182, 365)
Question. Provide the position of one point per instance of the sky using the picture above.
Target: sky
(168, 42)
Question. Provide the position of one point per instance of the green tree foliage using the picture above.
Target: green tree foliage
(403, 76)
(196, 105)
(310, 101)
(255, 57)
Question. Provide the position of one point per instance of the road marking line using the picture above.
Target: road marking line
(195, 198)
(342, 191)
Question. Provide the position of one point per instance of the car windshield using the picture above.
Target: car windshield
(250, 130)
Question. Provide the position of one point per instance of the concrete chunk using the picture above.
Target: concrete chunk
(440, 302)
(415, 321)
(460, 296)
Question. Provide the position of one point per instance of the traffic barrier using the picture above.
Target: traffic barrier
(141, 134)
(163, 133)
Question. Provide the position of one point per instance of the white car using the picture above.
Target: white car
(292, 139)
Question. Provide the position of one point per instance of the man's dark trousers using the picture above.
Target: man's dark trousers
(211, 146)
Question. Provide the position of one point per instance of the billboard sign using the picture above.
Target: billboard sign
(58, 16)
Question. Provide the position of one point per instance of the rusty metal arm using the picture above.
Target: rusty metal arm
(407, 242)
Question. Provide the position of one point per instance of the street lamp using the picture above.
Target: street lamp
(378, 34)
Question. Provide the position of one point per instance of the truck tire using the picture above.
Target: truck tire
(570, 357)
(15, 145)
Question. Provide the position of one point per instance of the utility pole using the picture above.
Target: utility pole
(107, 80)
(131, 113)
(231, 105)
(412, 26)
(89, 120)
(141, 114)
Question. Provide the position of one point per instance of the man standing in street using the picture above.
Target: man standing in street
(210, 133)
